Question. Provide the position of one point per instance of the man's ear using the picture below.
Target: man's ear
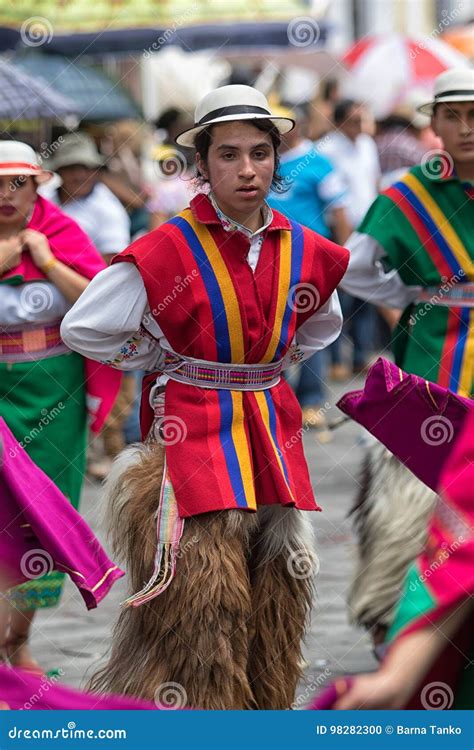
(201, 166)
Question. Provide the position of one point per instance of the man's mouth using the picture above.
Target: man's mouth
(247, 189)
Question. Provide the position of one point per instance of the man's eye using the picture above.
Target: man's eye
(228, 156)
(260, 154)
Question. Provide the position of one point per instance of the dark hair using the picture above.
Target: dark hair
(342, 109)
(328, 87)
(203, 141)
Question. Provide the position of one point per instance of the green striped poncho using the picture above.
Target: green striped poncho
(425, 224)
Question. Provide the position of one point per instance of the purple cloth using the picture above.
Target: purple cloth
(20, 689)
(40, 530)
(415, 419)
(331, 694)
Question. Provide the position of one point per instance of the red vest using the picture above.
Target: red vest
(237, 449)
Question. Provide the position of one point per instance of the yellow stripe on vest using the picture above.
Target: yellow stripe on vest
(284, 277)
(443, 225)
(226, 285)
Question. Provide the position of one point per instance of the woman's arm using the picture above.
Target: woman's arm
(406, 664)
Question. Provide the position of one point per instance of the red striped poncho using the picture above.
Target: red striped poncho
(235, 449)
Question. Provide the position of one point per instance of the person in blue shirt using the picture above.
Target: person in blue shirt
(314, 195)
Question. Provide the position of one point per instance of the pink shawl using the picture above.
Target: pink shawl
(73, 247)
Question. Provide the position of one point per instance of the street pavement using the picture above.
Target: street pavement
(74, 640)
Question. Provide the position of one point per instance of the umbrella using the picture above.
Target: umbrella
(384, 68)
(97, 97)
(23, 97)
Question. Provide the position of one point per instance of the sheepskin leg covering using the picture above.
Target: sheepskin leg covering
(282, 566)
(391, 518)
(227, 632)
(191, 642)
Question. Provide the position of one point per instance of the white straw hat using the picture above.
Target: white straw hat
(229, 103)
(77, 148)
(454, 85)
(17, 158)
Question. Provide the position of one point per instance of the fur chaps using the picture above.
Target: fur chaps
(391, 517)
(227, 632)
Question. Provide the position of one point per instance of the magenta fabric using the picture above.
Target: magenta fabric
(73, 247)
(40, 530)
(22, 690)
(331, 694)
(418, 421)
(457, 478)
(67, 241)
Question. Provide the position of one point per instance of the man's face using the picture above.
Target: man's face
(17, 198)
(239, 167)
(78, 180)
(352, 124)
(453, 122)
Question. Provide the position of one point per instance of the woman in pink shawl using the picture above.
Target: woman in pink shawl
(429, 662)
(46, 261)
(429, 659)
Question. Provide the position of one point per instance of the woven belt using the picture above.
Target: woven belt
(460, 295)
(31, 344)
(219, 375)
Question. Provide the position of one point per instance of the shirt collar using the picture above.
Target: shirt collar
(230, 225)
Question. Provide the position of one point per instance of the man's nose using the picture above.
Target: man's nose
(466, 126)
(246, 167)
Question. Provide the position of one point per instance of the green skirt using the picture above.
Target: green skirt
(44, 405)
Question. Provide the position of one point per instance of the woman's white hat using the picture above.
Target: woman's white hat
(17, 158)
(454, 85)
(229, 103)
